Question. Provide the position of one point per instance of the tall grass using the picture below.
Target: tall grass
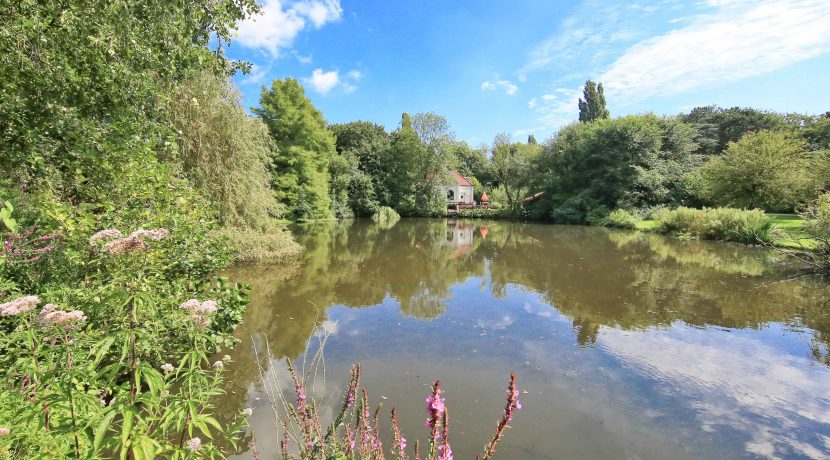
(722, 224)
(386, 217)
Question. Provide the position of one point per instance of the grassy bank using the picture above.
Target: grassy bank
(788, 225)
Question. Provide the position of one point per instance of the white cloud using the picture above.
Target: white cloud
(532, 103)
(736, 383)
(256, 75)
(279, 23)
(743, 38)
(549, 97)
(355, 75)
(721, 41)
(497, 83)
(323, 82)
(305, 60)
(348, 88)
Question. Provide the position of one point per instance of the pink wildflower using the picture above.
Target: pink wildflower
(247, 411)
(219, 365)
(199, 311)
(19, 305)
(155, 235)
(4, 431)
(194, 444)
(125, 246)
(444, 452)
(108, 234)
(403, 443)
(167, 368)
(67, 320)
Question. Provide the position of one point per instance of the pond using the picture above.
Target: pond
(628, 345)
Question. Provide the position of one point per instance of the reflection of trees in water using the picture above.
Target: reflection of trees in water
(594, 276)
(635, 281)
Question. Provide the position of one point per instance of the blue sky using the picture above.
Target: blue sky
(518, 66)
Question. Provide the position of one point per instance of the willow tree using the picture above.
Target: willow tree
(303, 148)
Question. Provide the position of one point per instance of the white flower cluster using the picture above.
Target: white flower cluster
(66, 320)
(199, 311)
(19, 305)
(136, 241)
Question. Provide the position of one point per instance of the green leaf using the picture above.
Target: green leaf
(101, 430)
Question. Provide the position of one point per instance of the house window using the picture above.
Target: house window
(450, 195)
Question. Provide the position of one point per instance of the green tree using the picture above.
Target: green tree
(225, 152)
(767, 170)
(513, 167)
(590, 169)
(531, 139)
(369, 144)
(592, 108)
(413, 173)
(717, 127)
(303, 148)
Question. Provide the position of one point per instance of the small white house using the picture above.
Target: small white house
(459, 190)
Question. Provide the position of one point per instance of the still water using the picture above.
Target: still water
(628, 345)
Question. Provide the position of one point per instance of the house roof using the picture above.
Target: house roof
(459, 179)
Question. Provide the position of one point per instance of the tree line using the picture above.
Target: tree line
(711, 156)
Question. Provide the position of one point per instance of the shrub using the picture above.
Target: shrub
(385, 217)
(253, 245)
(814, 246)
(768, 170)
(117, 364)
(723, 224)
(484, 213)
(620, 218)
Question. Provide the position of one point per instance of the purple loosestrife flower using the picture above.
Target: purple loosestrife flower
(444, 452)
(19, 305)
(435, 407)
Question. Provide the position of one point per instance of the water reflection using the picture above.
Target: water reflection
(631, 345)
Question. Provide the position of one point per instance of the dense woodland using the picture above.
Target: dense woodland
(130, 174)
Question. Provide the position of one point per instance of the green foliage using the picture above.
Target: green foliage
(631, 162)
(224, 152)
(593, 107)
(88, 143)
(303, 148)
(366, 144)
(415, 171)
(513, 166)
(723, 224)
(817, 133)
(767, 169)
(484, 213)
(385, 217)
(620, 218)
(717, 127)
(6, 218)
(76, 108)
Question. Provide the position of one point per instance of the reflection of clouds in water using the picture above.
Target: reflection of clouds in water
(778, 400)
(494, 324)
(326, 328)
